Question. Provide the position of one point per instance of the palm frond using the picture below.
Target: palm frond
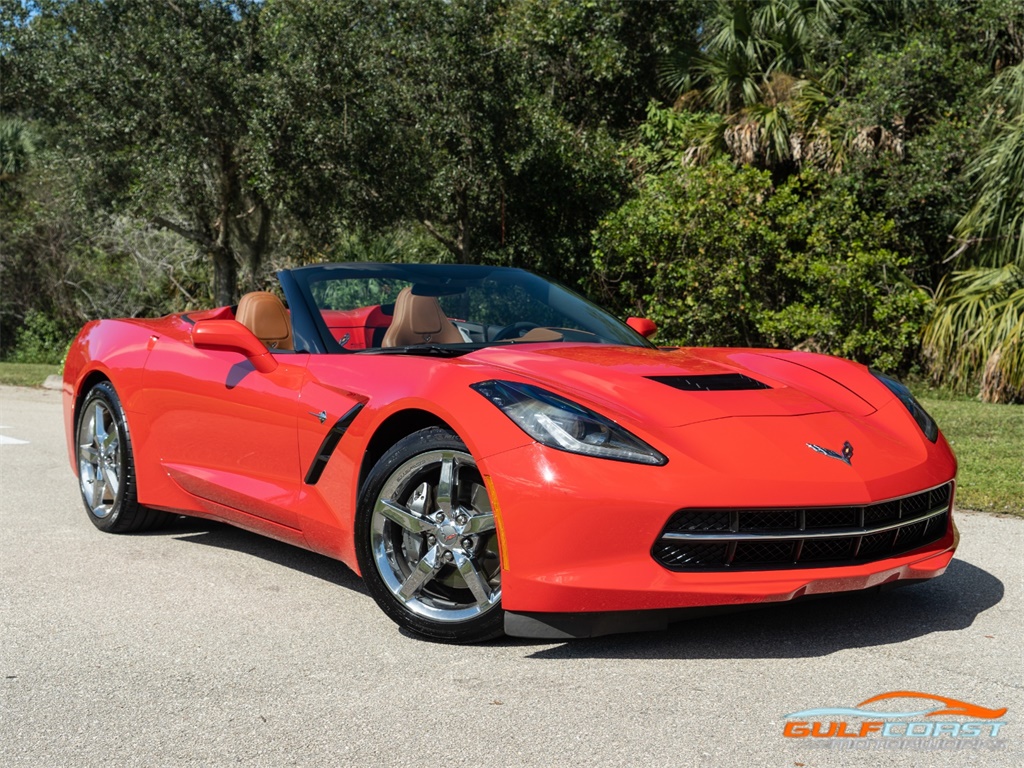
(766, 134)
(17, 145)
(976, 335)
(992, 232)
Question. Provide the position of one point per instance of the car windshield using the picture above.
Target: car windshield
(444, 308)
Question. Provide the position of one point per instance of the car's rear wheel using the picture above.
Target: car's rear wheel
(426, 540)
(106, 469)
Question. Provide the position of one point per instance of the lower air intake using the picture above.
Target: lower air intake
(708, 539)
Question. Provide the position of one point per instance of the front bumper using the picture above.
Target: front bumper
(572, 626)
(577, 536)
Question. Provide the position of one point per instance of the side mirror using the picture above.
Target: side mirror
(232, 336)
(643, 326)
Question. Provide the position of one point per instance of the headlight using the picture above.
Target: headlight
(924, 421)
(560, 423)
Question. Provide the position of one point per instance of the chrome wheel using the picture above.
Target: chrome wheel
(106, 467)
(433, 540)
(99, 459)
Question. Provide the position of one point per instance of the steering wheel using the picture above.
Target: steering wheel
(514, 330)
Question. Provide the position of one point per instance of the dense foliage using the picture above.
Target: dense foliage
(719, 255)
(836, 175)
(978, 324)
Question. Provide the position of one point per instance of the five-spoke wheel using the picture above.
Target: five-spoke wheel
(106, 472)
(99, 459)
(427, 542)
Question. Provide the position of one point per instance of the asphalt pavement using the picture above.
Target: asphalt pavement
(202, 645)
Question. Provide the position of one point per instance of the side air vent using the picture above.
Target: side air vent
(715, 382)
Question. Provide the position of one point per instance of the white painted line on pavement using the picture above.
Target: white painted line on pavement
(5, 440)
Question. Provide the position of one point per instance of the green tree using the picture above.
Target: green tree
(695, 251)
(424, 114)
(977, 332)
(17, 146)
(599, 60)
(720, 255)
(152, 101)
(845, 287)
(764, 77)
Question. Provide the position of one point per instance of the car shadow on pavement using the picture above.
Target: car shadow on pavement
(213, 534)
(810, 628)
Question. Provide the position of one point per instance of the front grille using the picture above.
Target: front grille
(703, 539)
(764, 551)
(826, 549)
(843, 517)
(710, 520)
(772, 520)
(693, 555)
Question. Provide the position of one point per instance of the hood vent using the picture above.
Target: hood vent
(715, 382)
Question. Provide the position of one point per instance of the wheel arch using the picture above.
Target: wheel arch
(85, 386)
(395, 427)
(114, 351)
(397, 560)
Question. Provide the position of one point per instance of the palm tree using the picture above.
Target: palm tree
(17, 145)
(977, 330)
(762, 72)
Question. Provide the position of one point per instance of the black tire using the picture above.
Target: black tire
(439, 577)
(106, 466)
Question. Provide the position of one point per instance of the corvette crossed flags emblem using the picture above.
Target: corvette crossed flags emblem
(844, 457)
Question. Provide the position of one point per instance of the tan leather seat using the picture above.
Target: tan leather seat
(419, 320)
(265, 315)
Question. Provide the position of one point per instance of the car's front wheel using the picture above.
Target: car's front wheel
(426, 540)
(106, 466)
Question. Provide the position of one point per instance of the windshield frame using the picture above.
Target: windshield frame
(313, 335)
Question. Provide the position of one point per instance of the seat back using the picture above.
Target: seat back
(265, 315)
(419, 320)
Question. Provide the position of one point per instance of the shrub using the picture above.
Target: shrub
(717, 255)
(40, 339)
(695, 251)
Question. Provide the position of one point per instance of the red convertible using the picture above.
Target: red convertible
(493, 453)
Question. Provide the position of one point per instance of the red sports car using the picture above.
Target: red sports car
(495, 454)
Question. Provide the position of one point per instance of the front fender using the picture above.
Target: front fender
(112, 350)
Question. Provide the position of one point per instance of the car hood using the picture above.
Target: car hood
(666, 387)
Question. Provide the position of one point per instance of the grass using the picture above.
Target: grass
(989, 444)
(26, 374)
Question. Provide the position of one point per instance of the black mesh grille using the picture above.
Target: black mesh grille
(882, 513)
(712, 520)
(689, 554)
(826, 549)
(771, 520)
(780, 552)
(840, 517)
(910, 534)
(875, 544)
(915, 505)
(940, 496)
(853, 542)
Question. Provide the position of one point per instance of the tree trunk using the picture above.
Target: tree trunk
(225, 267)
(995, 384)
(225, 277)
(464, 256)
(225, 272)
(256, 244)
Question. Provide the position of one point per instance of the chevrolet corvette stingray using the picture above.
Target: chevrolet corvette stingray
(493, 453)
